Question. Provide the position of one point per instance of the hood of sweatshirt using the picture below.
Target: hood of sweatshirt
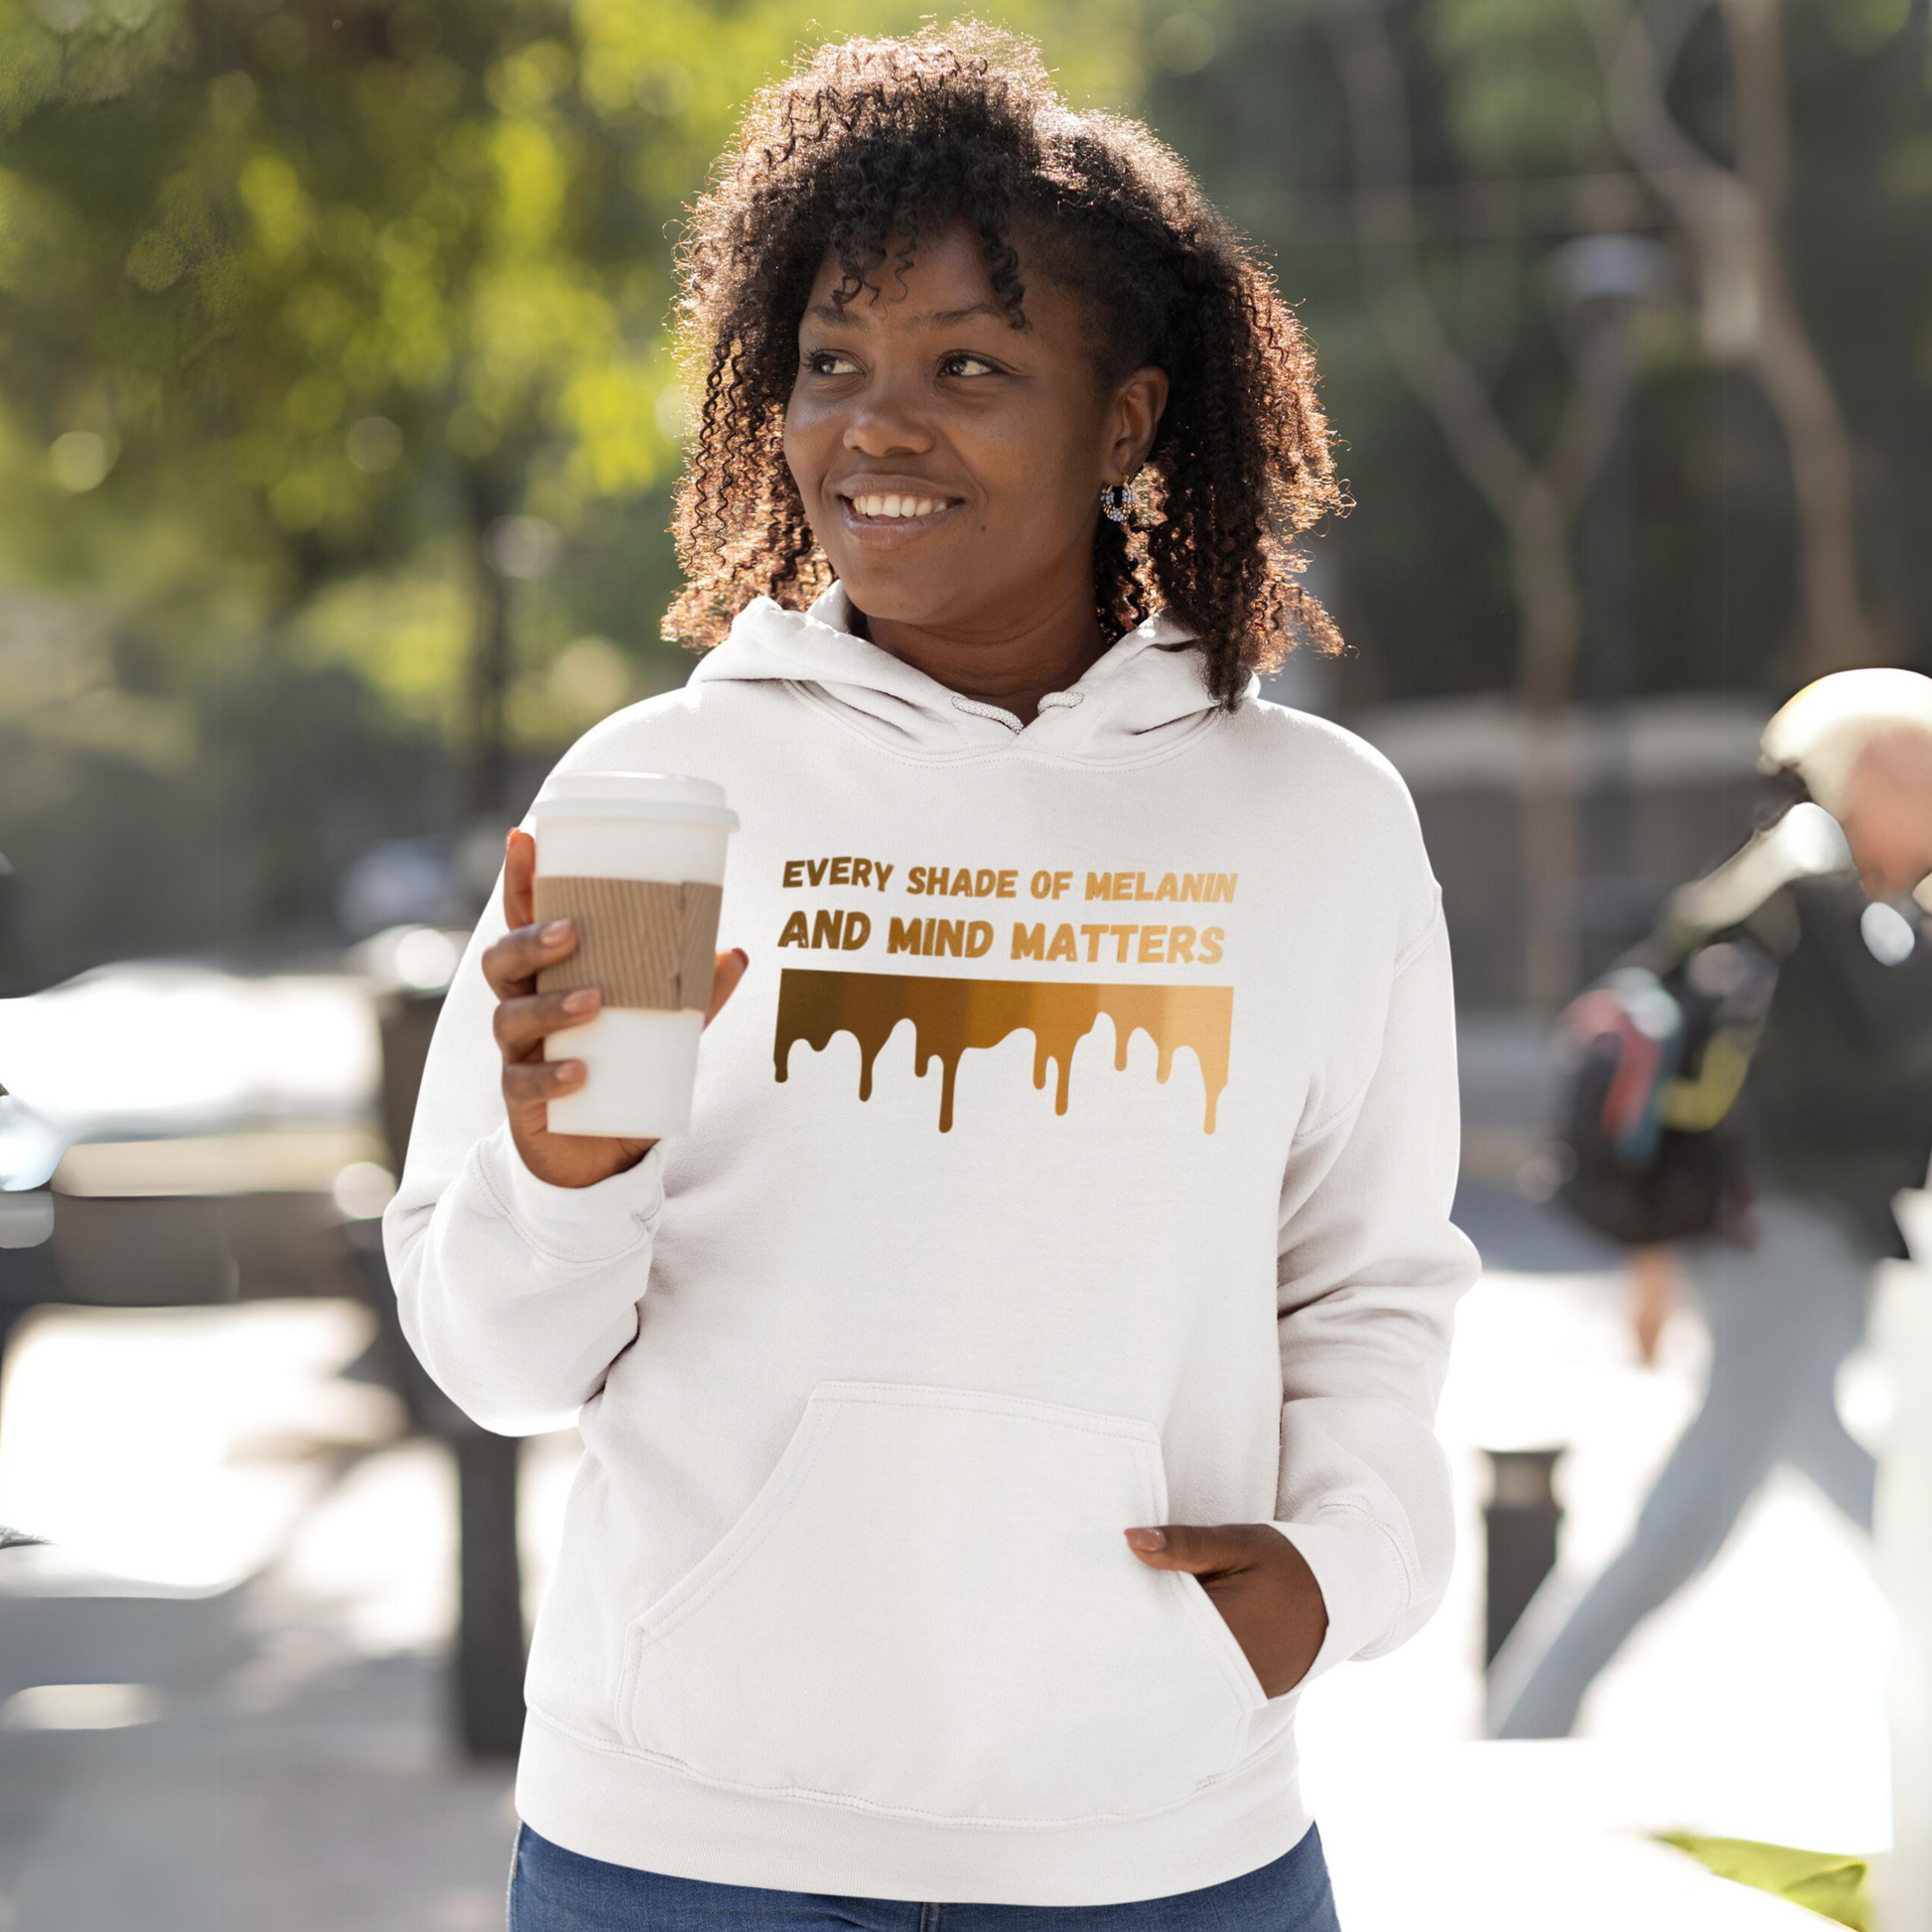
(1139, 696)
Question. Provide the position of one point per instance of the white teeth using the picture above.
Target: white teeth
(895, 506)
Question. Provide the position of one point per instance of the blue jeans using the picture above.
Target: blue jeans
(554, 1890)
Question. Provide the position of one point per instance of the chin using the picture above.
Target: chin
(898, 596)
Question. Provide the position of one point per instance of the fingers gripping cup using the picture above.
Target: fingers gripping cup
(636, 858)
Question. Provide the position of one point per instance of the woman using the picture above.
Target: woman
(887, 1396)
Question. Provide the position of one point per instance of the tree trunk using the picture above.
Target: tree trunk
(1535, 504)
(486, 756)
(1546, 591)
(1749, 306)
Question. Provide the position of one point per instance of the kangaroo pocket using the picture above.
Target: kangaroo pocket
(929, 1607)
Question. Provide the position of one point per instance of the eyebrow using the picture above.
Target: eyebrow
(939, 318)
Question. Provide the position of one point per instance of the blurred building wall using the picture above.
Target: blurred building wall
(1666, 787)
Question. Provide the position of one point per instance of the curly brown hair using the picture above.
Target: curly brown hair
(870, 138)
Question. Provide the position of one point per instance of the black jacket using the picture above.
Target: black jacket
(1838, 1102)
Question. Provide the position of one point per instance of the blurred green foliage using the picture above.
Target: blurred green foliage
(1834, 1886)
(333, 372)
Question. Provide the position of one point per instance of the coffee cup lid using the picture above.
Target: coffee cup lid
(638, 794)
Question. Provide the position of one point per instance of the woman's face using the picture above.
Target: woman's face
(950, 465)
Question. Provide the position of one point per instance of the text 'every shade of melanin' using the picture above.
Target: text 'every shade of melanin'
(1002, 882)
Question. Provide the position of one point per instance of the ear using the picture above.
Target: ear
(1133, 417)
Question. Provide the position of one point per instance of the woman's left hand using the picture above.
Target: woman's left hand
(1261, 1585)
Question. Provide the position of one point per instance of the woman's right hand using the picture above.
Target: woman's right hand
(524, 1016)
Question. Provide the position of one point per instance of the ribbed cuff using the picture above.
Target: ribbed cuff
(1361, 1577)
(577, 1224)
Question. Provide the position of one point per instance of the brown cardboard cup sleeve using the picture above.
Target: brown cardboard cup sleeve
(644, 941)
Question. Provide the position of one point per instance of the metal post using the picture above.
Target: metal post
(492, 1645)
(1522, 1520)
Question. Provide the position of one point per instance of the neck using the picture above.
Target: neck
(1012, 662)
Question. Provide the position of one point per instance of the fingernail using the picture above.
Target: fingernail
(556, 929)
(582, 1000)
(1147, 1539)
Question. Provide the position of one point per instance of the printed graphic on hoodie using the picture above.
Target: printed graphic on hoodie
(951, 1017)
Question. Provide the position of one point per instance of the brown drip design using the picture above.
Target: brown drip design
(644, 941)
(950, 1016)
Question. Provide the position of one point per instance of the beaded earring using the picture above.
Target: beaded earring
(1116, 501)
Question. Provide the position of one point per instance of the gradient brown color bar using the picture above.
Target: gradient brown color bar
(951, 1015)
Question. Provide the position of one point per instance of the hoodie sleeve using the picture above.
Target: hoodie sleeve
(1369, 1271)
(516, 1295)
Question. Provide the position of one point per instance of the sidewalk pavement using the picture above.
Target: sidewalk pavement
(301, 1779)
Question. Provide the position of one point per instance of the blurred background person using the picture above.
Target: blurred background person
(1859, 742)
(1835, 1116)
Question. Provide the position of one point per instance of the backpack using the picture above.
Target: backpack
(1650, 1063)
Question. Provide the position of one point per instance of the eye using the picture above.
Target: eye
(818, 361)
(965, 355)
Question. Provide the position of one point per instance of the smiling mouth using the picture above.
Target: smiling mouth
(889, 509)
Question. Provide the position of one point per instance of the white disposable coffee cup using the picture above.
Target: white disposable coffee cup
(640, 1063)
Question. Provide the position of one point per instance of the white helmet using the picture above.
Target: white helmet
(1820, 733)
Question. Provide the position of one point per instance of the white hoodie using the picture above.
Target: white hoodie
(1144, 1218)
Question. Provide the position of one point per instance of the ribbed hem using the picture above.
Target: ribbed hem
(604, 1802)
(574, 1224)
(1362, 1580)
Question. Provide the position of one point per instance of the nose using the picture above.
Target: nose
(886, 421)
